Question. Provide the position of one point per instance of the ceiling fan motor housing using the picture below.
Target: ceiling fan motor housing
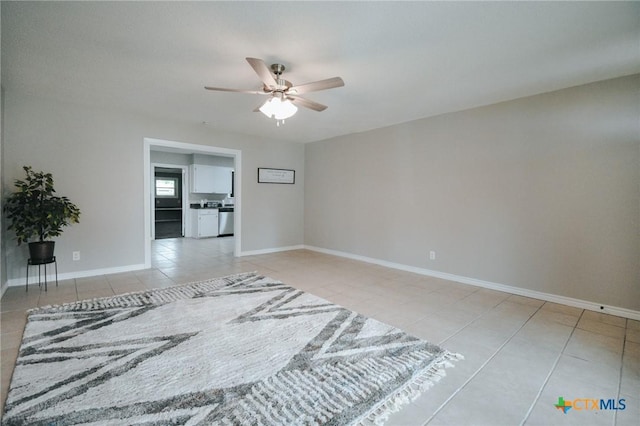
(277, 69)
(281, 84)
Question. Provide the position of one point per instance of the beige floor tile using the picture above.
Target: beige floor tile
(595, 347)
(630, 380)
(94, 294)
(430, 284)
(434, 301)
(56, 299)
(633, 324)
(556, 307)
(11, 340)
(600, 327)
(395, 316)
(632, 335)
(68, 287)
(505, 319)
(123, 279)
(455, 287)
(477, 303)
(604, 318)
(444, 326)
(16, 299)
(576, 373)
(152, 283)
(525, 300)
(11, 321)
(433, 329)
(128, 288)
(553, 316)
(149, 274)
(91, 281)
(346, 300)
(543, 334)
(631, 413)
(475, 412)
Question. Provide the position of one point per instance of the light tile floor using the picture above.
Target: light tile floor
(521, 354)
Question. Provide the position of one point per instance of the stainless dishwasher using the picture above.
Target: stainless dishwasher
(225, 221)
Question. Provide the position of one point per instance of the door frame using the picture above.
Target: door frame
(185, 197)
(189, 148)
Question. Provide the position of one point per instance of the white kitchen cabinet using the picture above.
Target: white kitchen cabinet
(202, 178)
(222, 179)
(204, 223)
(210, 179)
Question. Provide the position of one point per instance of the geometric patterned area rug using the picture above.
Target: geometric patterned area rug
(239, 350)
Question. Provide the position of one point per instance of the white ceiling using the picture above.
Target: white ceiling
(400, 61)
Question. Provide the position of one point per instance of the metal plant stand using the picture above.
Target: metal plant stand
(39, 263)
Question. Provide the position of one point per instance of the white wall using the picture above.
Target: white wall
(96, 157)
(171, 158)
(3, 269)
(541, 193)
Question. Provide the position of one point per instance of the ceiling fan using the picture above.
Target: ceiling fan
(284, 96)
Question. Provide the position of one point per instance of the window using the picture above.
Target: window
(166, 187)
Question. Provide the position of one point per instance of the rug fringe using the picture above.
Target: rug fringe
(164, 295)
(411, 390)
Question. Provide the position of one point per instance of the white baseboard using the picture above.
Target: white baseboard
(569, 301)
(271, 250)
(78, 274)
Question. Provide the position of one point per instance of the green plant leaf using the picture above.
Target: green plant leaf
(34, 212)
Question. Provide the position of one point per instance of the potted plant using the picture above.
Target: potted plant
(36, 214)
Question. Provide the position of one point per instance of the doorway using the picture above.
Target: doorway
(187, 148)
(169, 205)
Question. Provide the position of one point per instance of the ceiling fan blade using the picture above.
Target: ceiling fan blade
(307, 103)
(222, 89)
(263, 72)
(257, 109)
(329, 83)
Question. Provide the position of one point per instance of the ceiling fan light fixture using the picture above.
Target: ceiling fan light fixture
(278, 109)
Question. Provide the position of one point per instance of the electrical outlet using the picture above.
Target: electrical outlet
(432, 255)
(76, 255)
